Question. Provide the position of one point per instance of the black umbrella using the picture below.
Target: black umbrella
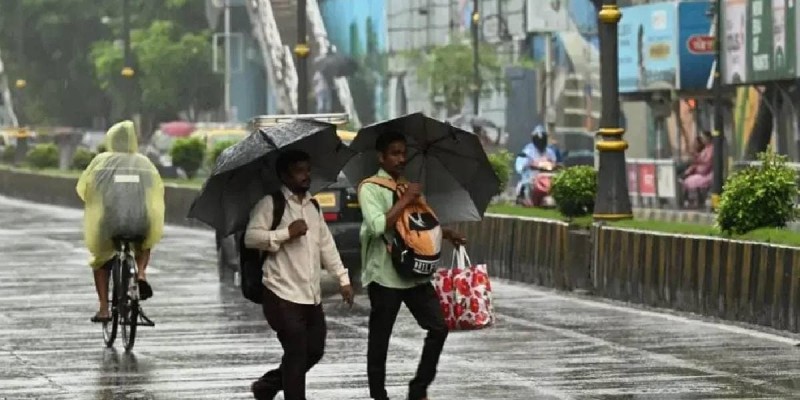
(457, 179)
(336, 65)
(245, 172)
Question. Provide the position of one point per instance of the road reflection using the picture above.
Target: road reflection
(121, 377)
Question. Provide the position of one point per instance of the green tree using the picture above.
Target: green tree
(49, 43)
(174, 71)
(448, 71)
(45, 43)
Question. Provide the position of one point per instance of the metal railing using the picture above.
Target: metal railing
(320, 37)
(281, 71)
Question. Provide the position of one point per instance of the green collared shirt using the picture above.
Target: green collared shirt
(375, 202)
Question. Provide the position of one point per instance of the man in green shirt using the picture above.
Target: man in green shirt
(387, 290)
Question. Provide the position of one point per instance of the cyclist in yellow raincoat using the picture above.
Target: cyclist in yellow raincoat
(123, 195)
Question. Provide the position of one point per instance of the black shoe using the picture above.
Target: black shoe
(261, 391)
(145, 291)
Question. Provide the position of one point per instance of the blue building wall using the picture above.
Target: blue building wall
(339, 15)
(249, 92)
(358, 28)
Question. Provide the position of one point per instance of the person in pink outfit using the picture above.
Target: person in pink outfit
(698, 177)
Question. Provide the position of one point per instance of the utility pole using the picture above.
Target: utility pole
(612, 201)
(476, 72)
(228, 116)
(21, 146)
(127, 70)
(301, 50)
(718, 135)
(549, 87)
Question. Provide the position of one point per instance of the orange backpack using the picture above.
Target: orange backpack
(417, 243)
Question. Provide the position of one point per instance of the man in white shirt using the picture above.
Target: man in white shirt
(292, 300)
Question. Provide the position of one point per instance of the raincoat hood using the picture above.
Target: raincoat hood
(121, 138)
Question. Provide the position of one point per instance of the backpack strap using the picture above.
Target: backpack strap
(385, 183)
(380, 181)
(278, 208)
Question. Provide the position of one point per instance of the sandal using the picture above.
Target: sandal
(145, 291)
(98, 319)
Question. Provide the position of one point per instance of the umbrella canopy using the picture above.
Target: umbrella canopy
(245, 172)
(177, 128)
(336, 65)
(457, 179)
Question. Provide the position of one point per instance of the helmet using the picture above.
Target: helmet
(539, 137)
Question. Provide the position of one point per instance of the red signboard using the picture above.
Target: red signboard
(700, 44)
(647, 179)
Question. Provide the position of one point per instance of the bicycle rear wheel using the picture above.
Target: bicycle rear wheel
(110, 327)
(130, 310)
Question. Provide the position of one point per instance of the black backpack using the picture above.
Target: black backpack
(251, 261)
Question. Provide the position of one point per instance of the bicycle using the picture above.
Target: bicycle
(126, 313)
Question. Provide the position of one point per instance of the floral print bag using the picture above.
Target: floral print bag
(465, 293)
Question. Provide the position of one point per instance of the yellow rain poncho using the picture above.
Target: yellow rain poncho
(123, 195)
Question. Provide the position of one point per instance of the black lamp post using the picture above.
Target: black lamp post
(127, 69)
(301, 50)
(718, 134)
(476, 72)
(612, 201)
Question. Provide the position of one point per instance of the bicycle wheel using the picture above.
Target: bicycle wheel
(133, 323)
(110, 327)
(130, 310)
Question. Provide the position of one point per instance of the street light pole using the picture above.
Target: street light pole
(612, 201)
(228, 116)
(718, 136)
(21, 146)
(302, 50)
(476, 72)
(127, 70)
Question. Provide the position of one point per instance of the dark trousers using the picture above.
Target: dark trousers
(301, 330)
(424, 306)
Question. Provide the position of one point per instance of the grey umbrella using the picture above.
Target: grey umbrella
(245, 172)
(457, 179)
(334, 65)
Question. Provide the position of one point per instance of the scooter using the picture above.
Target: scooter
(536, 193)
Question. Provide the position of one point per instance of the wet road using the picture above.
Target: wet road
(209, 343)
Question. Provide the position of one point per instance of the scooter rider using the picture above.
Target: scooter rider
(533, 153)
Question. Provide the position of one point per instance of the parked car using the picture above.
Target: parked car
(339, 204)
